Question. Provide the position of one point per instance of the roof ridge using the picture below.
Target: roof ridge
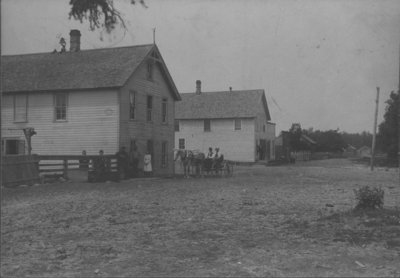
(82, 50)
(233, 91)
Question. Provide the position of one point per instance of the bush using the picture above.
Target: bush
(369, 198)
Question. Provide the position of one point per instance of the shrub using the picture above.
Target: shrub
(369, 197)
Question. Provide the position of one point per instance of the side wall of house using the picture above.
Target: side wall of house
(237, 145)
(139, 129)
(91, 125)
(265, 132)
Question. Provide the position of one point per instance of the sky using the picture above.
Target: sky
(319, 61)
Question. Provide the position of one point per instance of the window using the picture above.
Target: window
(207, 125)
(132, 104)
(181, 143)
(21, 108)
(150, 147)
(164, 106)
(238, 124)
(176, 125)
(60, 107)
(13, 146)
(150, 70)
(149, 107)
(164, 154)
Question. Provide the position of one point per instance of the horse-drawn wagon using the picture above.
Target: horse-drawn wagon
(195, 163)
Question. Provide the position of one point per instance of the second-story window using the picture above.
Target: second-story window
(149, 108)
(60, 106)
(132, 104)
(238, 124)
(21, 108)
(164, 111)
(207, 125)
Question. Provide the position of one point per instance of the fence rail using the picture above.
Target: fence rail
(62, 164)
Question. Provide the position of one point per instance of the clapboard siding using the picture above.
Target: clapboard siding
(92, 122)
(140, 129)
(237, 145)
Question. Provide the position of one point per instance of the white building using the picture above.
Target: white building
(237, 122)
(90, 100)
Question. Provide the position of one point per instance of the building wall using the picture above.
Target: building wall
(139, 129)
(92, 122)
(265, 130)
(237, 145)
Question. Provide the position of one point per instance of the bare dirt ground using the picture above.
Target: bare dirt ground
(264, 221)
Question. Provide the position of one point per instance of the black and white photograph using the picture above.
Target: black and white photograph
(200, 138)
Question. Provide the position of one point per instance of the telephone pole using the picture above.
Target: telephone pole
(374, 135)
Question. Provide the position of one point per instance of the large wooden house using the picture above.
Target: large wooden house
(90, 100)
(237, 122)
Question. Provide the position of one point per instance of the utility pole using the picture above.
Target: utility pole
(374, 134)
(398, 119)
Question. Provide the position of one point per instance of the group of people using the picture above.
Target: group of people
(213, 159)
(127, 165)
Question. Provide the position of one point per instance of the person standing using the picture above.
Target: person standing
(122, 163)
(134, 161)
(84, 162)
(147, 168)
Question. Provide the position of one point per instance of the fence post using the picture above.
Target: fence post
(65, 171)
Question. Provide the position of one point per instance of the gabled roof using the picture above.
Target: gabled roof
(225, 104)
(85, 69)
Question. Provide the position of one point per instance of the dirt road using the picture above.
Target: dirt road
(264, 221)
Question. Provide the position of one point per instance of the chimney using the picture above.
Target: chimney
(75, 40)
(198, 87)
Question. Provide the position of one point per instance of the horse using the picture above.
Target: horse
(186, 159)
(198, 160)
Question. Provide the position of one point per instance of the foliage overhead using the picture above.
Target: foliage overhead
(99, 13)
(388, 135)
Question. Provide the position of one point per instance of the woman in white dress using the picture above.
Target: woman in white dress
(147, 164)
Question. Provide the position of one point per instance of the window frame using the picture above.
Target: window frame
(65, 119)
(18, 141)
(181, 142)
(207, 127)
(15, 108)
(132, 104)
(149, 108)
(164, 111)
(150, 70)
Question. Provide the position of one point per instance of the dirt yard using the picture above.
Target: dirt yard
(264, 221)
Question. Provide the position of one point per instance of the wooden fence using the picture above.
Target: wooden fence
(62, 164)
(19, 169)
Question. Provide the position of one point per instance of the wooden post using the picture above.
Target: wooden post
(374, 134)
(65, 170)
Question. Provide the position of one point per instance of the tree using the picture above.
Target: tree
(388, 135)
(99, 13)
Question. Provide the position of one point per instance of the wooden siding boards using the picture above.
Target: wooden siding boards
(92, 123)
(142, 130)
(98, 116)
(237, 145)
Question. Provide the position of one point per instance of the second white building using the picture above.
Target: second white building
(237, 122)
